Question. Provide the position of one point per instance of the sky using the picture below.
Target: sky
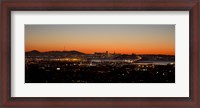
(118, 38)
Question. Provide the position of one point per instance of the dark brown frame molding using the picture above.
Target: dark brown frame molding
(98, 5)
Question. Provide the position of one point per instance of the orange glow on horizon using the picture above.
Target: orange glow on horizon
(165, 52)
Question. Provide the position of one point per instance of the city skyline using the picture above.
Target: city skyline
(123, 39)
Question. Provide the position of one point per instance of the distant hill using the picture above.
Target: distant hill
(53, 53)
(33, 52)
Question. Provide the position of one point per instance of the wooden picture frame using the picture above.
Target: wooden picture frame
(98, 5)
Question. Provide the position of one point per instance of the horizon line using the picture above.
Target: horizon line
(103, 52)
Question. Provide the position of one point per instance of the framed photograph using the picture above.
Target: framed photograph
(92, 53)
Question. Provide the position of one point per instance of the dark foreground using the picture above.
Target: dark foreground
(75, 72)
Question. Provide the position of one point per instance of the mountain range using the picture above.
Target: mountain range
(53, 53)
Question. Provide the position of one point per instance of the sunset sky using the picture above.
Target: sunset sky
(118, 38)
